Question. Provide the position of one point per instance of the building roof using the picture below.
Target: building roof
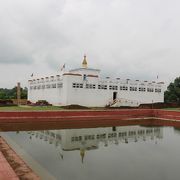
(79, 69)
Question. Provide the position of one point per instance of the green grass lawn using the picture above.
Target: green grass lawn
(31, 108)
(55, 108)
(172, 109)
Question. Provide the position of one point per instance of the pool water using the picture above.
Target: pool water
(104, 153)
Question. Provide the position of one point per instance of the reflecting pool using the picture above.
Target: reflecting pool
(104, 153)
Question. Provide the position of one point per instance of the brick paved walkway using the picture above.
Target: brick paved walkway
(6, 172)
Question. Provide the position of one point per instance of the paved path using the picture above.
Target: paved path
(6, 172)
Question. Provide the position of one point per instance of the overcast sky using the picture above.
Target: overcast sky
(135, 39)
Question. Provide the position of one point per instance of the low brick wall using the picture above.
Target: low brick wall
(71, 116)
(164, 114)
(144, 112)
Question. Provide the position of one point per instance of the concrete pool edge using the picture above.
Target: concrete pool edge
(20, 169)
(6, 171)
(34, 168)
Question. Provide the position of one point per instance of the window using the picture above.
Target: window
(122, 134)
(43, 86)
(76, 138)
(52, 78)
(156, 130)
(101, 86)
(77, 85)
(53, 85)
(123, 88)
(101, 136)
(42, 80)
(141, 132)
(133, 88)
(142, 89)
(48, 86)
(148, 131)
(58, 136)
(90, 86)
(113, 87)
(112, 135)
(89, 137)
(150, 90)
(59, 85)
(131, 133)
(158, 90)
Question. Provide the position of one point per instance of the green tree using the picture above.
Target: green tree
(173, 91)
(24, 93)
(12, 93)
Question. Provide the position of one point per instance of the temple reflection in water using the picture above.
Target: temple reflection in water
(90, 138)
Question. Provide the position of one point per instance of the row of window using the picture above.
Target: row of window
(142, 89)
(45, 80)
(122, 88)
(93, 86)
(133, 88)
(90, 86)
(102, 86)
(157, 90)
(113, 87)
(151, 90)
(47, 86)
(77, 85)
(112, 135)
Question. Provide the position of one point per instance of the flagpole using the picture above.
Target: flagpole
(62, 68)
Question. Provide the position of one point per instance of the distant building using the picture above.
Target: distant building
(84, 86)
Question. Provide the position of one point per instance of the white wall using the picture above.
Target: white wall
(54, 96)
(100, 97)
(68, 95)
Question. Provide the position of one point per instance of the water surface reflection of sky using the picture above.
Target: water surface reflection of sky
(122, 152)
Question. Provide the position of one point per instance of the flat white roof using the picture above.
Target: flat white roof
(89, 69)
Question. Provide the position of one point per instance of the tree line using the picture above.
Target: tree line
(12, 93)
(172, 94)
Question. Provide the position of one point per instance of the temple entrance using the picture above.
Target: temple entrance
(114, 95)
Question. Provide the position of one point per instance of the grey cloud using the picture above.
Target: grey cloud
(17, 60)
(29, 31)
(10, 54)
(127, 38)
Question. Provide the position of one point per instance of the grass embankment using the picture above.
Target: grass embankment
(30, 108)
(45, 108)
(172, 109)
(58, 108)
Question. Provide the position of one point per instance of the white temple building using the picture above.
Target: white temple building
(84, 86)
